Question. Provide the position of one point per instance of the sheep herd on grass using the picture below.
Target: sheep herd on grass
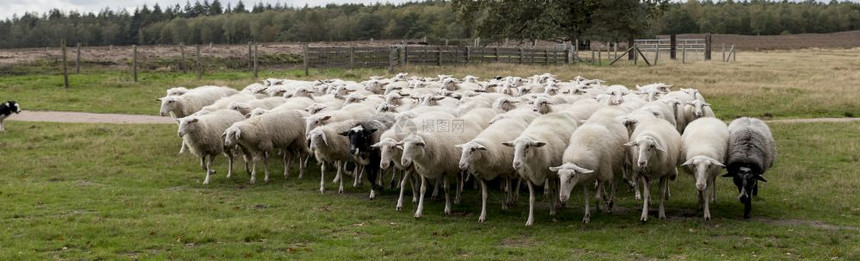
(447, 133)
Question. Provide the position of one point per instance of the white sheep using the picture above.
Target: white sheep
(329, 147)
(539, 147)
(487, 159)
(595, 152)
(193, 100)
(349, 112)
(655, 148)
(266, 103)
(698, 109)
(176, 91)
(224, 103)
(264, 135)
(202, 135)
(704, 145)
(432, 151)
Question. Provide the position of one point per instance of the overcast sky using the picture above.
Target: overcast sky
(10, 7)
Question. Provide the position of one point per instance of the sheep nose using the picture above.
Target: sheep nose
(162, 114)
(383, 165)
(698, 114)
(563, 199)
(518, 165)
(643, 163)
(701, 187)
(405, 163)
(464, 166)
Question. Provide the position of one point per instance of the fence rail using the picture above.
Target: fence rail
(400, 55)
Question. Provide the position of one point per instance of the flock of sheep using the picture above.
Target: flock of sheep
(537, 130)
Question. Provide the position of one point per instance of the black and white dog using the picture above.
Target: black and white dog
(7, 109)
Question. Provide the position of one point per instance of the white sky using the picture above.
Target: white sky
(19, 7)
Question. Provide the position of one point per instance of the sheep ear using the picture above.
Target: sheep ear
(760, 178)
(555, 169)
(459, 146)
(325, 117)
(688, 162)
(345, 133)
(480, 147)
(706, 104)
(324, 138)
(531, 102)
(630, 144)
(377, 145)
(538, 144)
(659, 147)
(509, 144)
(157, 99)
(193, 120)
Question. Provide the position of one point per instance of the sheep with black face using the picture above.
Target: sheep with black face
(7, 109)
(751, 153)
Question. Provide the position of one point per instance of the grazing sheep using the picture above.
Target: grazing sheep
(595, 152)
(655, 148)
(486, 158)
(361, 138)
(193, 100)
(751, 153)
(539, 147)
(331, 148)
(264, 135)
(176, 91)
(202, 135)
(433, 153)
(704, 146)
(266, 103)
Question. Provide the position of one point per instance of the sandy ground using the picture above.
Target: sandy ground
(85, 117)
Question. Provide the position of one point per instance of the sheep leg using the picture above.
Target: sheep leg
(531, 219)
(546, 188)
(516, 191)
(483, 216)
(703, 196)
(713, 185)
(322, 177)
(446, 187)
(337, 176)
(254, 160)
(435, 190)
(206, 167)
(586, 217)
(402, 189)
(230, 155)
(245, 155)
(554, 205)
(646, 198)
(203, 163)
(507, 190)
(266, 166)
(357, 174)
(181, 149)
(287, 162)
(413, 181)
(302, 165)
(457, 196)
(340, 169)
(392, 184)
(418, 212)
(611, 202)
(664, 194)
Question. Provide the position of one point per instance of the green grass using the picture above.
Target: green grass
(779, 84)
(87, 191)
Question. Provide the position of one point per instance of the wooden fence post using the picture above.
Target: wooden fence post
(546, 56)
(439, 54)
(403, 58)
(631, 43)
(708, 47)
(255, 60)
(684, 53)
(134, 61)
(566, 55)
(734, 54)
(198, 64)
(182, 58)
(352, 57)
(250, 58)
(657, 56)
(592, 57)
(673, 46)
(506, 42)
(723, 47)
(392, 59)
(599, 58)
(497, 54)
(521, 55)
(78, 60)
(635, 55)
(65, 66)
(468, 54)
(305, 58)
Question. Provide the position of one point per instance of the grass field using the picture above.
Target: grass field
(86, 191)
(781, 84)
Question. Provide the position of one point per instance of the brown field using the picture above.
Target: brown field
(121, 55)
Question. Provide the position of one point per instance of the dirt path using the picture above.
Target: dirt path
(814, 120)
(85, 117)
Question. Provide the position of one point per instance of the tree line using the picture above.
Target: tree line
(212, 22)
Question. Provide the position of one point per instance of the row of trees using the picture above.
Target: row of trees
(545, 19)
